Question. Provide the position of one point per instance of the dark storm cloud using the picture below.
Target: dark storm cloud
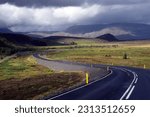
(47, 14)
(58, 3)
(136, 13)
(38, 3)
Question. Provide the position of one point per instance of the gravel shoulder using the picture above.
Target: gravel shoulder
(64, 66)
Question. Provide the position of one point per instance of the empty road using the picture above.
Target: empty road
(122, 83)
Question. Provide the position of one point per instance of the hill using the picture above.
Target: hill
(11, 43)
(61, 40)
(8, 48)
(5, 30)
(108, 37)
(22, 40)
(122, 31)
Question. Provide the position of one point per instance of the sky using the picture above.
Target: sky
(49, 15)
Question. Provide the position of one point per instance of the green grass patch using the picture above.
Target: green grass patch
(21, 67)
(137, 56)
(23, 78)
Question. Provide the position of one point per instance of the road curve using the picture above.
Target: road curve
(123, 83)
(59, 66)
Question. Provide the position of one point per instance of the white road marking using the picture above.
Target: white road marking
(136, 80)
(130, 88)
(129, 94)
(136, 75)
(82, 86)
(126, 92)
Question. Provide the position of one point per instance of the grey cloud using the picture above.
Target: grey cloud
(13, 16)
(138, 13)
(58, 3)
(38, 3)
(89, 12)
(117, 2)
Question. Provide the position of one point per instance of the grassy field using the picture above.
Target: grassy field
(22, 67)
(23, 78)
(138, 54)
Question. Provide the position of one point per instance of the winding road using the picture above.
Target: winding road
(121, 83)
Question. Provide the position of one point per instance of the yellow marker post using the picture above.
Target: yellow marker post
(144, 66)
(62, 71)
(86, 78)
(112, 64)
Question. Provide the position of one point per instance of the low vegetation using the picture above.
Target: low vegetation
(21, 67)
(39, 86)
(23, 78)
(125, 55)
(8, 48)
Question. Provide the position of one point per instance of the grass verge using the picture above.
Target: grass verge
(138, 56)
(22, 67)
(23, 78)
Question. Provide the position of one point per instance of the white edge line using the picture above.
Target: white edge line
(129, 94)
(82, 86)
(123, 69)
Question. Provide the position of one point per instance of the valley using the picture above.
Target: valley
(24, 78)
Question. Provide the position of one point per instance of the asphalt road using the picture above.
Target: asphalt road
(122, 83)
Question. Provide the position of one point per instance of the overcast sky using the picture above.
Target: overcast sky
(28, 15)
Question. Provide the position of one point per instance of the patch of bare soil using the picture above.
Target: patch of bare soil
(36, 88)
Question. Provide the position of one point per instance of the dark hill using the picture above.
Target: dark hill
(21, 40)
(5, 43)
(8, 48)
(61, 40)
(5, 30)
(60, 37)
(108, 37)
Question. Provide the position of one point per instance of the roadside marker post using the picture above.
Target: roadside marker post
(144, 66)
(107, 68)
(61, 71)
(86, 78)
(91, 65)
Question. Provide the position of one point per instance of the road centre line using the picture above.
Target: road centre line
(130, 88)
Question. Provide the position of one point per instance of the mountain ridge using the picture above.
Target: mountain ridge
(120, 30)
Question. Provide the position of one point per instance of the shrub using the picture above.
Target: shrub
(125, 56)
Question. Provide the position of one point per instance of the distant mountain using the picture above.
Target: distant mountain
(5, 30)
(40, 34)
(63, 40)
(120, 30)
(108, 37)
